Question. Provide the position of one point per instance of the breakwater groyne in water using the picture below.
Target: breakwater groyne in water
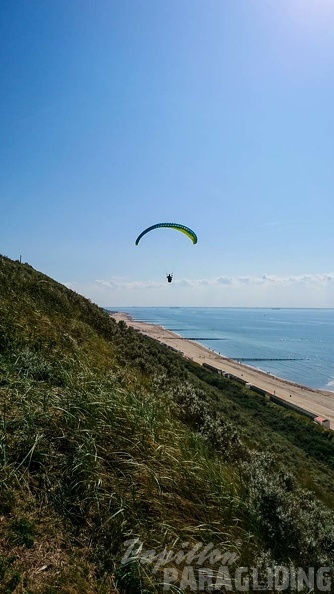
(305, 335)
(318, 404)
(195, 338)
(269, 359)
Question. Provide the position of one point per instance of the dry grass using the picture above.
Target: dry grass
(106, 437)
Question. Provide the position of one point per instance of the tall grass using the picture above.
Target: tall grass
(108, 437)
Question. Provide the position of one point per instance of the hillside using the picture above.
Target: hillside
(107, 436)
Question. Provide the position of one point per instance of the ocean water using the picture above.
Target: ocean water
(294, 344)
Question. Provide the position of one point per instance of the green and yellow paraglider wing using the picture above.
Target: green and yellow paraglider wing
(175, 226)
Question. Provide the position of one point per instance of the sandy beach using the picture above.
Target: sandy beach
(318, 402)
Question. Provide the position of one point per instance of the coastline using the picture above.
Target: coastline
(318, 402)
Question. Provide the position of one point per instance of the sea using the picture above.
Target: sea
(294, 344)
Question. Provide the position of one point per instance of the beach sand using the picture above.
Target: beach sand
(319, 402)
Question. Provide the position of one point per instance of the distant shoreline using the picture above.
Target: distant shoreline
(317, 402)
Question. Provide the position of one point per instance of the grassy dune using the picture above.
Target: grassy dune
(107, 436)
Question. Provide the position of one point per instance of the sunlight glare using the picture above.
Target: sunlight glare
(312, 14)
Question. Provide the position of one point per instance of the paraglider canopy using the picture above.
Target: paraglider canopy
(175, 226)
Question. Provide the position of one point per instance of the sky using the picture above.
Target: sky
(215, 114)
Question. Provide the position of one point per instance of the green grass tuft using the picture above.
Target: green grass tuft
(107, 436)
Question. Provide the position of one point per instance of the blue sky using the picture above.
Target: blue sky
(116, 115)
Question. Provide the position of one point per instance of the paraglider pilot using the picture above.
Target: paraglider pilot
(169, 277)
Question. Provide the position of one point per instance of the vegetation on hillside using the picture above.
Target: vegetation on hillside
(108, 438)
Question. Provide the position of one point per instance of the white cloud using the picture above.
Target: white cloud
(120, 284)
(304, 290)
(224, 280)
